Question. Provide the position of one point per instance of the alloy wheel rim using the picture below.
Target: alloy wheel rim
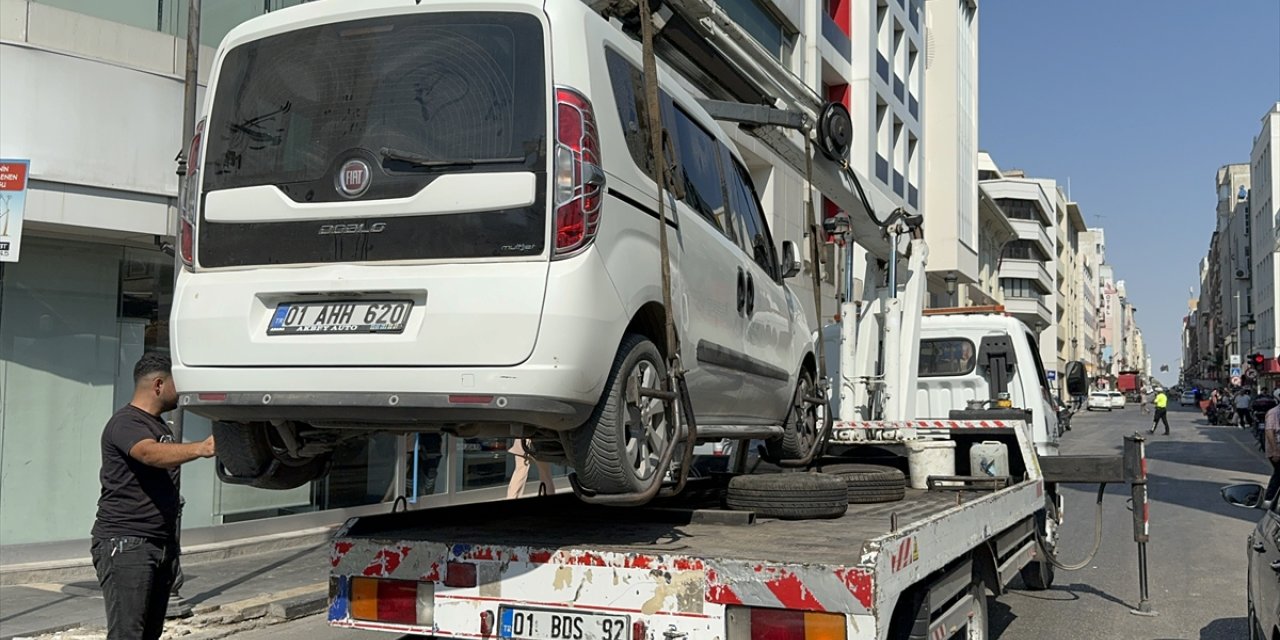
(646, 422)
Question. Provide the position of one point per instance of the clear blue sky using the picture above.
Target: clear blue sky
(1138, 103)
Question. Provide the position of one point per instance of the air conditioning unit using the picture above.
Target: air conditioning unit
(1242, 274)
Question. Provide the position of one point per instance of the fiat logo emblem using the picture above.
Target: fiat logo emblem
(354, 178)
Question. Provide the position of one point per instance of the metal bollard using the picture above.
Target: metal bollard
(1135, 471)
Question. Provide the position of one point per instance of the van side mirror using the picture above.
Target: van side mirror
(1246, 495)
(790, 262)
(1077, 381)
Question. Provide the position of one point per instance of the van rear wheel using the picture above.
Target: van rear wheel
(620, 447)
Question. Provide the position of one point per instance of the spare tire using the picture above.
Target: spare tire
(789, 496)
(246, 456)
(869, 483)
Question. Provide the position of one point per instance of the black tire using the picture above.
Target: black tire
(980, 624)
(281, 476)
(869, 483)
(242, 449)
(789, 496)
(600, 456)
(802, 424)
(248, 458)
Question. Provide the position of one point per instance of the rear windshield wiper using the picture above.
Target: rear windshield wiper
(418, 160)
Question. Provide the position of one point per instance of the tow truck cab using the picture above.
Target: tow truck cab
(969, 357)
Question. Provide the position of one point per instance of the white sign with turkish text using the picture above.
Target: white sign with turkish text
(13, 199)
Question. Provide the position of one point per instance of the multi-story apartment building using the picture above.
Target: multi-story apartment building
(1027, 283)
(995, 232)
(952, 217)
(1070, 299)
(1234, 255)
(1090, 257)
(1264, 216)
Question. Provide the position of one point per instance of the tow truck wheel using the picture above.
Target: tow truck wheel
(247, 455)
(619, 448)
(803, 422)
(979, 623)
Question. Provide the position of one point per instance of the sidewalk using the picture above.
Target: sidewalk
(283, 583)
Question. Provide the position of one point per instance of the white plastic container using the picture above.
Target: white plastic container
(930, 458)
(989, 459)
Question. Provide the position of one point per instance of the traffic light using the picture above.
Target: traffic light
(1256, 359)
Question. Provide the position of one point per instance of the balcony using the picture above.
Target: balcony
(1031, 311)
(837, 38)
(1027, 269)
(1034, 231)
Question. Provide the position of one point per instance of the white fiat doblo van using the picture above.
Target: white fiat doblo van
(440, 217)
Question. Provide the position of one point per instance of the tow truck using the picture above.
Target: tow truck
(684, 566)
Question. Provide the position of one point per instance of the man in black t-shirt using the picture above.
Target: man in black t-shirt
(135, 538)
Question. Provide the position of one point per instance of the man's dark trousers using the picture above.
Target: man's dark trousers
(1162, 415)
(135, 575)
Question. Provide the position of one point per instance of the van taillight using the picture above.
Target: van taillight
(191, 197)
(579, 177)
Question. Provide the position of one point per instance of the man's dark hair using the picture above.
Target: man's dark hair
(149, 364)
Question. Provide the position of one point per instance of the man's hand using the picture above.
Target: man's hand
(168, 455)
(205, 448)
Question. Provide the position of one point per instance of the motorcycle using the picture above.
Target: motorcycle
(1222, 413)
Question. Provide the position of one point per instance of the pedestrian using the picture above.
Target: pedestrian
(515, 486)
(1271, 437)
(135, 538)
(1242, 408)
(1162, 404)
(1145, 396)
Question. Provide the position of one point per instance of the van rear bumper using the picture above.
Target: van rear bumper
(388, 410)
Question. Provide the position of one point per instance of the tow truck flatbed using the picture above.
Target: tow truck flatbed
(563, 522)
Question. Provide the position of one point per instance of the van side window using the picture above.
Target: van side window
(946, 357)
(750, 229)
(633, 111)
(700, 164)
(1040, 372)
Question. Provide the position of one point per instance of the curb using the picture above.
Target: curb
(212, 623)
(78, 569)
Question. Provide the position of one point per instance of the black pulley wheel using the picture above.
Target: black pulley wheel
(835, 132)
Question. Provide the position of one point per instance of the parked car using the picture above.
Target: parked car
(1117, 399)
(1263, 550)
(1187, 399)
(1099, 400)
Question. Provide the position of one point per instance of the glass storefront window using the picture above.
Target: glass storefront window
(170, 16)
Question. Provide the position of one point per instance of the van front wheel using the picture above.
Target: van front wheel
(619, 448)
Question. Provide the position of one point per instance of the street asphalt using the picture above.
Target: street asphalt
(1197, 554)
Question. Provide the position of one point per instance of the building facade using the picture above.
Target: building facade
(950, 171)
(1264, 216)
(1234, 256)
